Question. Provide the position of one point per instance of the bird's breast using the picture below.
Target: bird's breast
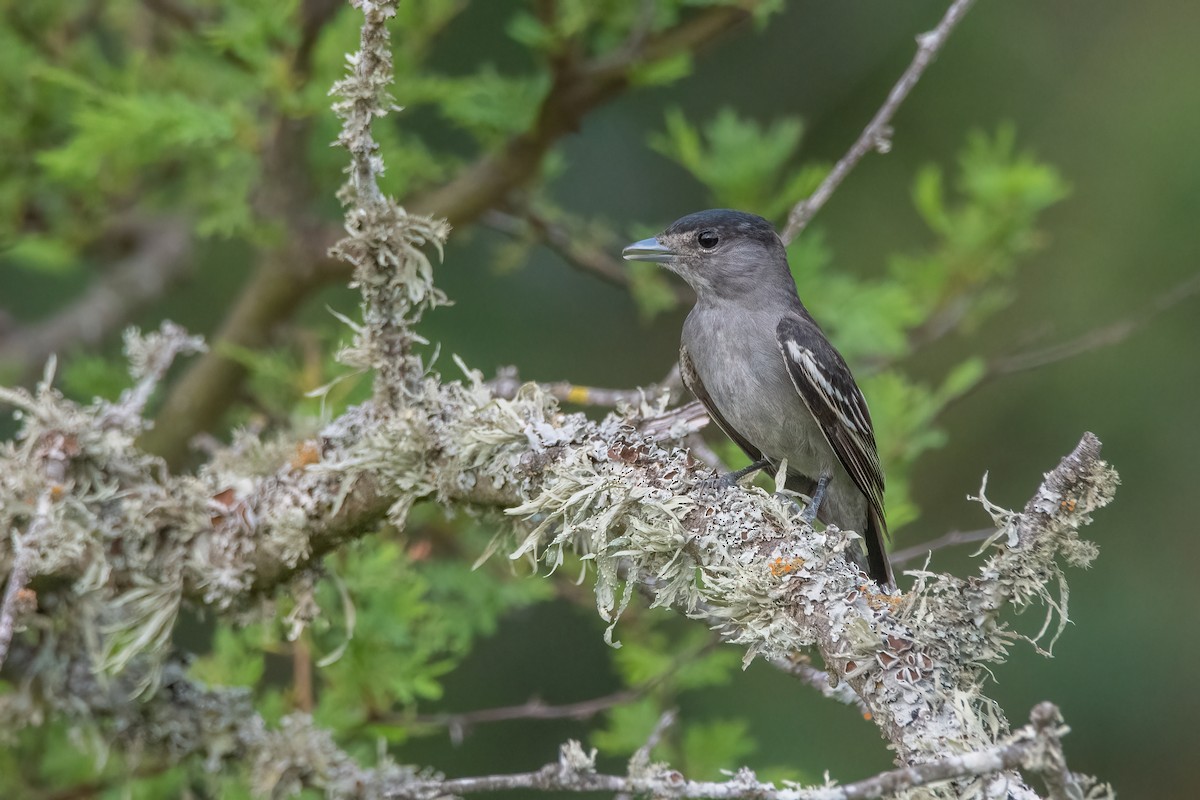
(736, 356)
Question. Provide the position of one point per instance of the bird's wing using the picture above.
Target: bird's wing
(824, 382)
(691, 379)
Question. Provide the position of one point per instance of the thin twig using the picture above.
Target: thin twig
(1104, 336)
(904, 555)
(1036, 746)
(18, 577)
(535, 708)
(876, 135)
(572, 246)
(640, 762)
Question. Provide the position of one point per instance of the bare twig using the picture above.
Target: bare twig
(876, 135)
(535, 708)
(906, 554)
(572, 247)
(640, 762)
(459, 724)
(1103, 336)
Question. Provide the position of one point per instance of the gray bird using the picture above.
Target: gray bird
(752, 354)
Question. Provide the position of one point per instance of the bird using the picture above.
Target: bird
(767, 374)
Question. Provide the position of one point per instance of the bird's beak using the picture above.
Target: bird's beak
(649, 250)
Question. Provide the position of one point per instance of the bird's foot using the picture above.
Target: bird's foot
(719, 483)
(809, 514)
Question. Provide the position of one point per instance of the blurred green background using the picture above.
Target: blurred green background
(1104, 92)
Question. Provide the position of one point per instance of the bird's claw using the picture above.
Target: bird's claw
(719, 483)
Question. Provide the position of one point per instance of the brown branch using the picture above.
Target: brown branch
(286, 277)
(160, 256)
(876, 136)
(575, 90)
(210, 385)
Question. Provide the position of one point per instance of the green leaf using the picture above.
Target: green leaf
(929, 197)
(664, 71)
(711, 747)
(627, 727)
(40, 253)
(740, 161)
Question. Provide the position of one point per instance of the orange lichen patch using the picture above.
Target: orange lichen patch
(1068, 505)
(786, 566)
(868, 716)
(878, 601)
(26, 596)
(57, 491)
(578, 394)
(306, 453)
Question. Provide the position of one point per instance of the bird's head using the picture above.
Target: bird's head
(720, 253)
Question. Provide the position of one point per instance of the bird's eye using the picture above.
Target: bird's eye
(708, 239)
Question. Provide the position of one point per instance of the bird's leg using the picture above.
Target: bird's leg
(809, 514)
(731, 478)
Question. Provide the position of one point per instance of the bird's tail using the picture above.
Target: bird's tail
(877, 558)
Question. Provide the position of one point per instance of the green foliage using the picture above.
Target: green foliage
(711, 747)
(487, 105)
(391, 625)
(743, 164)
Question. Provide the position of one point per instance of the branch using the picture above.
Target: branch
(285, 277)
(571, 247)
(187, 720)
(159, 256)
(575, 91)
(508, 382)
(740, 558)
(1103, 336)
(1036, 746)
(904, 555)
(877, 134)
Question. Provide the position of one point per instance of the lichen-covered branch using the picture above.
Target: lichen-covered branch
(186, 720)
(113, 545)
(773, 584)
